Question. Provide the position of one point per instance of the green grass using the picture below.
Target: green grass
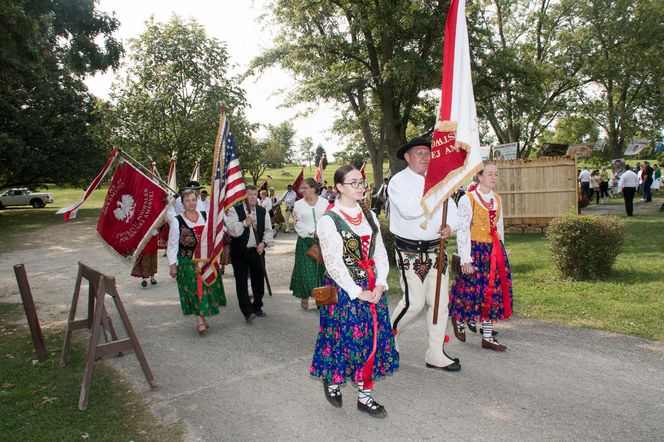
(39, 401)
(628, 300)
(16, 221)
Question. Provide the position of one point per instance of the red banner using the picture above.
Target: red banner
(132, 209)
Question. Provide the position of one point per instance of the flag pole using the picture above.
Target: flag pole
(143, 168)
(441, 265)
(253, 229)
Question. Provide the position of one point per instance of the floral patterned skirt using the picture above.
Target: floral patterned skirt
(213, 295)
(345, 340)
(467, 292)
(307, 273)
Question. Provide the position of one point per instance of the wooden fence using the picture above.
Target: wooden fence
(538, 190)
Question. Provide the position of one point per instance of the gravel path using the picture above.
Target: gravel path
(250, 382)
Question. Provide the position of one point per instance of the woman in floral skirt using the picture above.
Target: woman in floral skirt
(482, 291)
(195, 296)
(355, 341)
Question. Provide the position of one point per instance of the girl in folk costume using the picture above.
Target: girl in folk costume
(483, 289)
(146, 265)
(307, 273)
(195, 296)
(355, 341)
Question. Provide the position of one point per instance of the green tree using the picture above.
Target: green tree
(307, 150)
(253, 160)
(47, 117)
(169, 100)
(526, 58)
(279, 144)
(624, 40)
(372, 60)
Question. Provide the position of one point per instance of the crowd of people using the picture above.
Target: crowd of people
(643, 180)
(340, 251)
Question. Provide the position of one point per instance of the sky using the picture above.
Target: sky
(236, 24)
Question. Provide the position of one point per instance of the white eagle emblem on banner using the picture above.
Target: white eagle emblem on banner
(125, 210)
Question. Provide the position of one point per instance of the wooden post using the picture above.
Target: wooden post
(441, 266)
(97, 321)
(30, 312)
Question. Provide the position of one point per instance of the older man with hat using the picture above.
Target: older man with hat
(418, 251)
(178, 208)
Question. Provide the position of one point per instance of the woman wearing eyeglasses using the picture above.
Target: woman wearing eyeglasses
(307, 273)
(355, 341)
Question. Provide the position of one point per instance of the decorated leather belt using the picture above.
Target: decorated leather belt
(415, 246)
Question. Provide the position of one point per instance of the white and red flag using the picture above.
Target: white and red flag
(194, 173)
(455, 146)
(319, 171)
(154, 171)
(265, 185)
(71, 210)
(133, 207)
(172, 181)
(363, 170)
(227, 189)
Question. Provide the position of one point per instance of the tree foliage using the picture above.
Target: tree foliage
(371, 59)
(48, 119)
(177, 77)
(624, 40)
(279, 144)
(307, 150)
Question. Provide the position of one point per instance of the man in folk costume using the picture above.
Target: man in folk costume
(251, 232)
(418, 251)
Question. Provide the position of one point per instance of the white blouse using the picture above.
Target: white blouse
(174, 236)
(331, 246)
(465, 214)
(307, 216)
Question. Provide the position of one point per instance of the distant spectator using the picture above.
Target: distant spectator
(647, 178)
(584, 179)
(627, 186)
(594, 184)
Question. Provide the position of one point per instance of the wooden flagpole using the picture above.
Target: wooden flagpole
(267, 280)
(441, 265)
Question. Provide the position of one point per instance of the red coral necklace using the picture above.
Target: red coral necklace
(354, 220)
(489, 205)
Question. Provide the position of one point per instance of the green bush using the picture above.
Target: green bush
(585, 247)
(388, 239)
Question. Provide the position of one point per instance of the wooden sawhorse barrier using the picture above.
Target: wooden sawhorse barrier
(99, 286)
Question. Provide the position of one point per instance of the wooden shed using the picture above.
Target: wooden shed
(534, 191)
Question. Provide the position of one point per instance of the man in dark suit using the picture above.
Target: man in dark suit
(251, 232)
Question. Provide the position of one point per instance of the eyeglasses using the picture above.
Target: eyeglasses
(357, 184)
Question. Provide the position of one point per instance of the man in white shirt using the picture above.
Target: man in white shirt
(584, 179)
(627, 186)
(251, 231)
(289, 199)
(203, 203)
(417, 250)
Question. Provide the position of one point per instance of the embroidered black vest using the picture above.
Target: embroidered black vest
(188, 241)
(239, 244)
(352, 247)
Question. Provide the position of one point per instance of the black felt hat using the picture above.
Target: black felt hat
(412, 143)
(193, 185)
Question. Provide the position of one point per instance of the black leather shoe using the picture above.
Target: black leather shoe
(250, 317)
(373, 409)
(454, 366)
(259, 313)
(334, 396)
(472, 326)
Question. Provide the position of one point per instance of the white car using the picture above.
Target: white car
(23, 197)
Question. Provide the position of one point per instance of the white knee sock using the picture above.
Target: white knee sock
(487, 331)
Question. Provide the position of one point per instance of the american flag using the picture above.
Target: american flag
(227, 189)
